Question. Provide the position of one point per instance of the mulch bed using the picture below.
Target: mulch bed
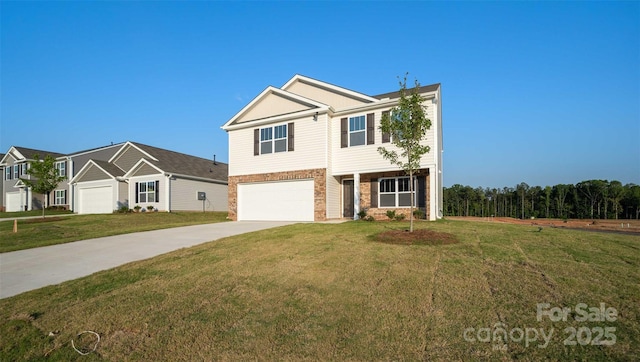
(417, 237)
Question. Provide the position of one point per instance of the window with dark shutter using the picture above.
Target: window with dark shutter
(386, 137)
(371, 129)
(290, 145)
(137, 191)
(374, 192)
(157, 191)
(344, 132)
(256, 142)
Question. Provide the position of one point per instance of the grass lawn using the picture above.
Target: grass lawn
(329, 292)
(53, 229)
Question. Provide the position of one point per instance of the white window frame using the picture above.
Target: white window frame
(396, 191)
(59, 197)
(273, 135)
(61, 167)
(146, 191)
(23, 168)
(16, 172)
(353, 131)
(7, 173)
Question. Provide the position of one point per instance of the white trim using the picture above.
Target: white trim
(137, 166)
(265, 93)
(397, 192)
(122, 150)
(328, 86)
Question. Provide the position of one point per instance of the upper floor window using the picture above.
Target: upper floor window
(357, 131)
(23, 169)
(273, 139)
(61, 167)
(16, 171)
(394, 192)
(7, 173)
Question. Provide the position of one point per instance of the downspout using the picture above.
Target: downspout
(168, 192)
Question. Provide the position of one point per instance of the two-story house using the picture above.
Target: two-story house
(122, 175)
(308, 151)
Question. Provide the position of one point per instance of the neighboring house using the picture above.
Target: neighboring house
(18, 197)
(309, 151)
(145, 176)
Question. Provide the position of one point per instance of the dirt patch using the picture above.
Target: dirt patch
(626, 226)
(417, 237)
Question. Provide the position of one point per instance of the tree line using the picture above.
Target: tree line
(592, 199)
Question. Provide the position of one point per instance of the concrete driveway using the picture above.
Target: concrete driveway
(30, 269)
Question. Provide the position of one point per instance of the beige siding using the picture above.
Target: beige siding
(309, 151)
(184, 195)
(128, 158)
(272, 105)
(334, 210)
(322, 95)
(366, 158)
(93, 173)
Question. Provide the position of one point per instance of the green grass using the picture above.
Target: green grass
(328, 292)
(47, 213)
(52, 229)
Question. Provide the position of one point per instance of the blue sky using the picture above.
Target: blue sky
(535, 92)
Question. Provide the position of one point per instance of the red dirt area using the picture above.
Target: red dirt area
(417, 237)
(626, 226)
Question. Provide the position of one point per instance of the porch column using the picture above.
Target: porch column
(356, 195)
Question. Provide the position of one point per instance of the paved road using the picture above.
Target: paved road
(30, 269)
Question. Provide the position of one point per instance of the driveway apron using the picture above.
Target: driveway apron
(30, 269)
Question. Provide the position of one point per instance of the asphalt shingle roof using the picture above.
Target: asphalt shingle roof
(183, 164)
(29, 153)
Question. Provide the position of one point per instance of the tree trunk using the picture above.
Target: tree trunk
(411, 194)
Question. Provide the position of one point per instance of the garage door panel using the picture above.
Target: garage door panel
(287, 201)
(14, 202)
(96, 200)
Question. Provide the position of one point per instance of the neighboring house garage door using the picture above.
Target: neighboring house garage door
(286, 201)
(13, 202)
(95, 200)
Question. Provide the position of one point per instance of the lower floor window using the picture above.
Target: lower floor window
(60, 197)
(394, 192)
(147, 191)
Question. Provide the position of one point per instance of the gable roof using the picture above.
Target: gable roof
(183, 164)
(109, 169)
(326, 87)
(396, 94)
(23, 153)
(274, 102)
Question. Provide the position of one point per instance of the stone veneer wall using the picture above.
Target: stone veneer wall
(319, 180)
(381, 213)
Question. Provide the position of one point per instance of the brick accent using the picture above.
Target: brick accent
(319, 180)
(381, 213)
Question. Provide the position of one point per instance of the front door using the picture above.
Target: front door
(347, 198)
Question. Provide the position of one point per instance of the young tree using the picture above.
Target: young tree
(407, 124)
(45, 177)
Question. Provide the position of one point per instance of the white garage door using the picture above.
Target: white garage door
(14, 202)
(286, 201)
(95, 200)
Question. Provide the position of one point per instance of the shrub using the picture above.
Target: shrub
(369, 218)
(124, 209)
(150, 208)
(418, 214)
(399, 217)
(391, 214)
(137, 208)
(362, 214)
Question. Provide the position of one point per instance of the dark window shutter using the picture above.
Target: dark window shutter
(344, 133)
(136, 191)
(157, 191)
(374, 192)
(256, 141)
(290, 140)
(386, 137)
(422, 195)
(371, 139)
(65, 197)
